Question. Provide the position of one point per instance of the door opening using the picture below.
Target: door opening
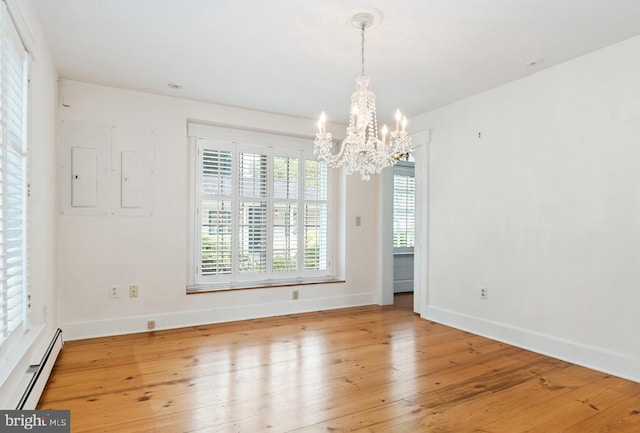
(404, 223)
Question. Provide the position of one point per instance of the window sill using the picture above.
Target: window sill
(251, 285)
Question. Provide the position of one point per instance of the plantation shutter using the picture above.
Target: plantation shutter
(315, 216)
(216, 212)
(285, 214)
(404, 193)
(13, 177)
(252, 213)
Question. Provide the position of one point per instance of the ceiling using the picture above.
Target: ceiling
(299, 57)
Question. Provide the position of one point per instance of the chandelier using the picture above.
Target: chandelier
(363, 150)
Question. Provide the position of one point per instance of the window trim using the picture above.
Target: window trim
(285, 145)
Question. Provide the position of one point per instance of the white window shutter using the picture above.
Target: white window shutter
(216, 212)
(13, 178)
(251, 214)
(404, 192)
(315, 216)
(285, 226)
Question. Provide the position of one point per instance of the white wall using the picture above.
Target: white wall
(95, 252)
(543, 209)
(42, 208)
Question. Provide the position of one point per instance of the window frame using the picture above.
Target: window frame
(272, 145)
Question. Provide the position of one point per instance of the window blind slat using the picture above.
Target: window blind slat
(285, 178)
(253, 175)
(216, 172)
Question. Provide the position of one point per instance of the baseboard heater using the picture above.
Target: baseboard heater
(40, 373)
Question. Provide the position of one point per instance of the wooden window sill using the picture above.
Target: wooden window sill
(251, 285)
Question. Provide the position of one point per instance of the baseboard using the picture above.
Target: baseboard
(40, 371)
(15, 371)
(135, 324)
(587, 356)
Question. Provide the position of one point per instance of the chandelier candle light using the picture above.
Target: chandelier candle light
(363, 150)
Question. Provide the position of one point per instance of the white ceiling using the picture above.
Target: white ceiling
(299, 57)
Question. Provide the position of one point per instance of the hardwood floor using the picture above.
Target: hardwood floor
(364, 369)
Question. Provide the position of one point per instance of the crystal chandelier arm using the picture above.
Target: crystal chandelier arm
(323, 144)
(323, 149)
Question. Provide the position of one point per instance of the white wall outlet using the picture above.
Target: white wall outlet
(113, 291)
(295, 295)
(151, 324)
(483, 292)
(133, 291)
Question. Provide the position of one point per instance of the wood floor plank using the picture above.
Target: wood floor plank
(364, 369)
(624, 417)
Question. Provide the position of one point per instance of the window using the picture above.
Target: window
(404, 192)
(13, 178)
(262, 215)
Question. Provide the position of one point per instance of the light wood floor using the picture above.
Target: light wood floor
(365, 369)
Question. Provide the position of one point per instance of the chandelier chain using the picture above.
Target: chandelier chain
(362, 26)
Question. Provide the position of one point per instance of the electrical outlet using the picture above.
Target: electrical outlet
(113, 291)
(133, 291)
(295, 295)
(483, 293)
(151, 324)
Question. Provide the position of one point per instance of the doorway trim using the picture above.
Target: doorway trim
(421, 141)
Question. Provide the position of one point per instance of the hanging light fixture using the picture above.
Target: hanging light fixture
(363, 150)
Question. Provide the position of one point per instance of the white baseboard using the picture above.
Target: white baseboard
(134, 324)
(587, 356)
(15, 373)
(39, 372)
